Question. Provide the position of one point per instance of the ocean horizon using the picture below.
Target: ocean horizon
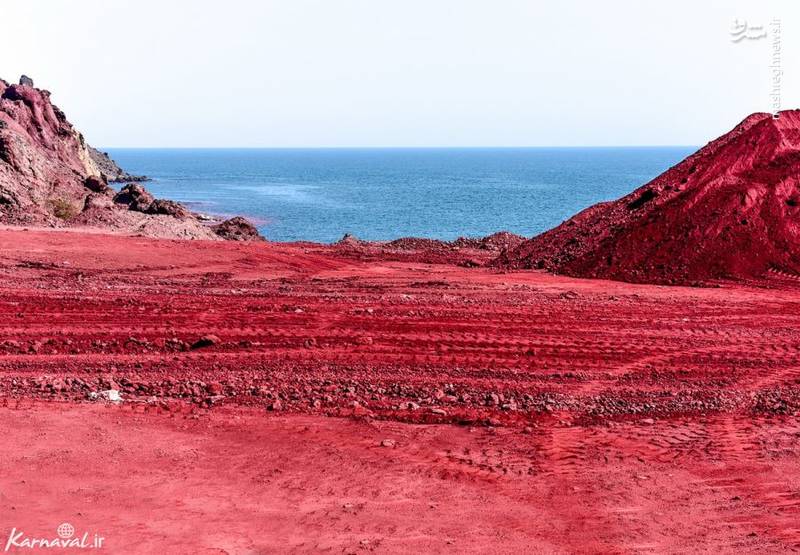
(319, 194)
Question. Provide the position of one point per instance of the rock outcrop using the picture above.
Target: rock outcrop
(43, 160)
(50, 177)
(729, 211)
(97, 185)
(135, 197)
(237, 229)
(110, 170)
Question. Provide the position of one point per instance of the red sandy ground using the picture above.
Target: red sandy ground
(560, 415)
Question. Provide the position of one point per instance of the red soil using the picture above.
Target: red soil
(594, 415)
(238, 481)
(731, 210)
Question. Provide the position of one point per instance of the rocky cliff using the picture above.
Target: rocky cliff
(731, 210)
(49, 176)
(110, 169)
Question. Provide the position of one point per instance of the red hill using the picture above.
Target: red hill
(730, 210)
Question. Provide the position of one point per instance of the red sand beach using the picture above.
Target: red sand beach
(271, 396)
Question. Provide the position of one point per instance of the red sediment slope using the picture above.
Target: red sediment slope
(729, 211)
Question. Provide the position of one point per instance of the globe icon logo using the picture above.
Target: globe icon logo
(65, 530)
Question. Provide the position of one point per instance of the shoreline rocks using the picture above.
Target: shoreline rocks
(111, 170)
(50, 176)
(237, 229)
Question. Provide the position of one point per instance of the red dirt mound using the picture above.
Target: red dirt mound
(464, 251)
(729, 211)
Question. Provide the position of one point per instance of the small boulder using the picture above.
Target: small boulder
(25, 81)
(349, 239)
(206, 341)
(168, 208)
(135, 197)
(96, 184)
(237, 229)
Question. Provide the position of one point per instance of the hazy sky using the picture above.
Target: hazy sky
(401, 73)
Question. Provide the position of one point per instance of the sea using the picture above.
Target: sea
(386, 193)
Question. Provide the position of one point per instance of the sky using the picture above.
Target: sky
(374, 73)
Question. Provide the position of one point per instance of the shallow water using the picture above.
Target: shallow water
(378, 194)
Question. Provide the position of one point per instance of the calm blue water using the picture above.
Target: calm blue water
(377, 194)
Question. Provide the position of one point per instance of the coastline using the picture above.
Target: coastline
(381, 195)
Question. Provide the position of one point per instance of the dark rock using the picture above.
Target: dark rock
(349, 239)
(135, 196)
(97, 184)
(110, 170)
(168, 208)
(26, 81)
(139, 199)
(206, 341)
(237, 229)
